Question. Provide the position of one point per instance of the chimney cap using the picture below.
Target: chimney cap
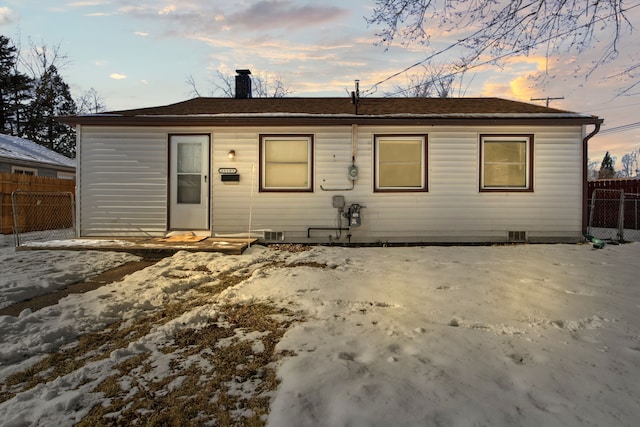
(243, 71)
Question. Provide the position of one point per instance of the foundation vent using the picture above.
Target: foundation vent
(274, 236)
(517, 236)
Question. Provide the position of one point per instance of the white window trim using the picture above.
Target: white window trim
(423, 162)
(310, 170)
(66, 175)
(528, 140)
(22, 169)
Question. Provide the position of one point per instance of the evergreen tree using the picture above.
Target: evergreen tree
(14, 90)
(51, 97)
(607, 168)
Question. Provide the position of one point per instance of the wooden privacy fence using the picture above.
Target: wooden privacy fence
(627, 185)
(17, 182)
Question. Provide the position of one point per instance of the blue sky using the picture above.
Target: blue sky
(139, 53)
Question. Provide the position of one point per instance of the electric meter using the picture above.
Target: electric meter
(353, 172)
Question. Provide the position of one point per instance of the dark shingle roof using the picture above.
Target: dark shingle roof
(285, 111)
(366, 106)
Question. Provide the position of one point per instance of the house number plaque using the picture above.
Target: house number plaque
(226, 171)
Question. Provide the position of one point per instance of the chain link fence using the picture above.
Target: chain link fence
(631, 227)
(614, 215)
(42, 216)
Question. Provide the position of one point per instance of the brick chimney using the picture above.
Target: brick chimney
(243, 84)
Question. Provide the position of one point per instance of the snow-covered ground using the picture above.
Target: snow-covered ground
(25, 276)
(526, 335)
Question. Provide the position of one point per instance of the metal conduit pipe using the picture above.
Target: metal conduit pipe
(325, 228)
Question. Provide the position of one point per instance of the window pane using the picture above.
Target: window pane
(400, 151)
(512, 152)
(400, 163)
(286, 151)
(505, 163)
(189, 158)
(189, 189)
(286, 175)
(286, 163)
(505, 176)
(400, 175)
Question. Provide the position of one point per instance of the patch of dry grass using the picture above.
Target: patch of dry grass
(230, 384)
(215, 377)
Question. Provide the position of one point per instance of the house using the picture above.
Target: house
(22, 156)
(320, 170)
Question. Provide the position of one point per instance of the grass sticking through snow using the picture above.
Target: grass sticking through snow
(215, 376)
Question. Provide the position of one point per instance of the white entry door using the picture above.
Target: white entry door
(189, 182)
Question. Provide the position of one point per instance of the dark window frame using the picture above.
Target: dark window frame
(263, 138)
(425, 164)
(529, 187)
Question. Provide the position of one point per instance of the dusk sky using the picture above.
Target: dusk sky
(140, 53)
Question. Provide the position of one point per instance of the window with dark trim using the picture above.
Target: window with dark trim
(286, 163)
(506, 163)
(20, 170)
(400, 163)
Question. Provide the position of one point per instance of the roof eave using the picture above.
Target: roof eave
(349, 119)
(37, 164)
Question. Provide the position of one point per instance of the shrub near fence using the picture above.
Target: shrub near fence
(14, 182)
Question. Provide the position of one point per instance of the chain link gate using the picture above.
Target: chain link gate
(614, 215)
(43, 216)
(631, 227)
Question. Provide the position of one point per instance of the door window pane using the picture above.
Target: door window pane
(189, 166)
(189, 189)
(189, 157)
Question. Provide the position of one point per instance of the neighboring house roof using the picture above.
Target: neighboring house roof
(232, 111)
(23, 151)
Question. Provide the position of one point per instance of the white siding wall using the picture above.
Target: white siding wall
(123, 181)
(124, 186)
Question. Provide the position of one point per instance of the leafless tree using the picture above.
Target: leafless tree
(263, 86)
(193, 87)
(592, 168)
(90, 102)
(270, 86)
(500, 29)
(629, 164)
(40, 58)
(434, 82)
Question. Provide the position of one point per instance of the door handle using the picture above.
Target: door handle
(205, 179)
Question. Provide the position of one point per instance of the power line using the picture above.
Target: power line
(621, 128)
(374, 87)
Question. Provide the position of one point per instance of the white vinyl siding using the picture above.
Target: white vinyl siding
(124, 186)
(123, 176)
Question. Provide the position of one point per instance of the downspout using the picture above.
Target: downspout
(585, 176)
(78, 178)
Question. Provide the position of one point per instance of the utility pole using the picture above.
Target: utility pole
(546, 99)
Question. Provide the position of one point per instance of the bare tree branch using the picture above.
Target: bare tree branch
(500, 29)
(263, 85)
(90, 102)
(191, 82)
(40, 58)
(435, 81)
